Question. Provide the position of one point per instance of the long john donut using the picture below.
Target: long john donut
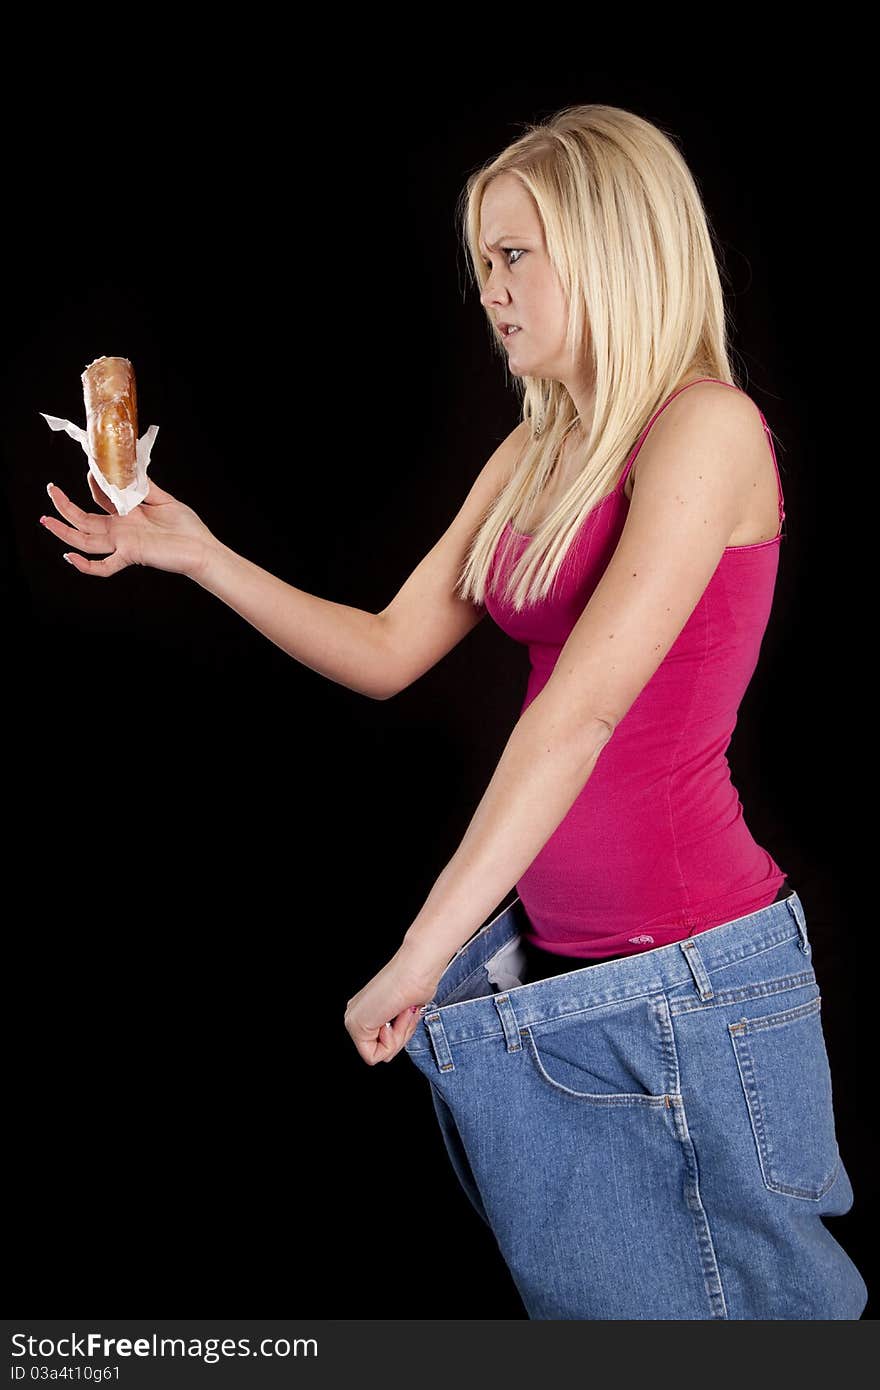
(111, 418)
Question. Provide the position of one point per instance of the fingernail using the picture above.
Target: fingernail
(49, 487)
(413, 1008)
(67, 558)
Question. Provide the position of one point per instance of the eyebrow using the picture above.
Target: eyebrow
(505, 236)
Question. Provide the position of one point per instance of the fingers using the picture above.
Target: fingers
(394, 1037)
(88, 522)
(100, 495)
(102, 568)
(155, 495)
(382, 1043)
(89, 532)
(92, 543)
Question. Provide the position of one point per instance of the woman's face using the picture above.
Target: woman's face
(523, 287)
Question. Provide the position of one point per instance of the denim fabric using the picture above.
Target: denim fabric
(652, 1137)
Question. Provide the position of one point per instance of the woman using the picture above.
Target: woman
(627, 1062)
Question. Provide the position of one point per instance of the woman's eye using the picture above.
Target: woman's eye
(511, 250)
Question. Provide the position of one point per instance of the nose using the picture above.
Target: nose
(493, 294)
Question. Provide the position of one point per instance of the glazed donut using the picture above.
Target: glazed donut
(111, 418)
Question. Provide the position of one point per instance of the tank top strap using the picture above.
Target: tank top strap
(642, 437)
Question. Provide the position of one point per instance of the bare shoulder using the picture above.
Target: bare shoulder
(714, 403)
(710, 409)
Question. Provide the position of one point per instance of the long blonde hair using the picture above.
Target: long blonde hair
(629, 238)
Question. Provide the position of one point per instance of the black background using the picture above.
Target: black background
(210, 847)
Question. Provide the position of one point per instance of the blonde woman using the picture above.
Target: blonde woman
(627, 1062)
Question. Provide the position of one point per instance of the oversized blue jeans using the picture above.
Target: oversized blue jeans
(652, 1137)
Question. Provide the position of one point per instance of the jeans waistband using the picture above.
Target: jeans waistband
(650, 972)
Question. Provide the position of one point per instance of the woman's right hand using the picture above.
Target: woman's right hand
(160, 532)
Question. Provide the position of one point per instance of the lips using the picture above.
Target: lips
(508, 328)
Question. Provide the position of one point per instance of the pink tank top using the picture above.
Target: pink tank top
(655, 848)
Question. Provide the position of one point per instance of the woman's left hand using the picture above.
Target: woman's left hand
(383, 1016)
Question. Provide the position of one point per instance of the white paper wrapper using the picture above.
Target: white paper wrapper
(127, 498)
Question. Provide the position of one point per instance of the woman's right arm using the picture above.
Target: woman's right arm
(376, 654)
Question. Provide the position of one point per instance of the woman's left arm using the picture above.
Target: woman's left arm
(544, 766)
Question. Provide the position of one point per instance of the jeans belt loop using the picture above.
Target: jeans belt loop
(796, 909)
(439, 1042)
(508, 1022)
(691, 952)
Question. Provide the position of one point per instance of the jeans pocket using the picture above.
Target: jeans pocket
(786, 1080)
(608, 1055)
